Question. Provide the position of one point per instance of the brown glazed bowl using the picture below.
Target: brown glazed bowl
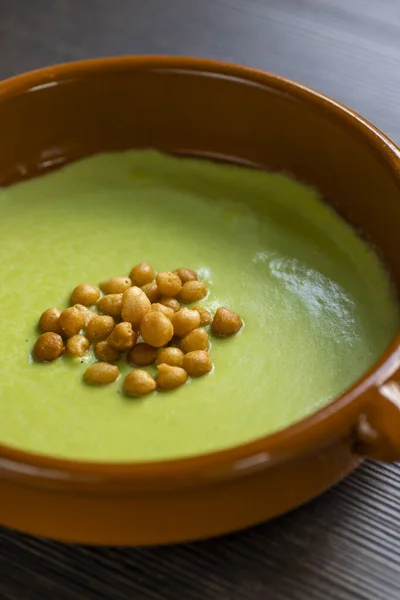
(228, 112)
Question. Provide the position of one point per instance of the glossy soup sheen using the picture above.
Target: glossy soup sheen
(317, 305)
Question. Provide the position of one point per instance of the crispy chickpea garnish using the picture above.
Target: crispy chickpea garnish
(170, 356)
(71, 321)
(152, 292)
(169, 378)
(165, 310)
(156, 329)
(99, 327)
(50, 320)
(139, 383)
(186, 275)
(226, 322)
(144, 305)
(171, 303)
(135, 304)
(85, 294)
(48, 347)
(77, 345)
(115, 285)
(142, 355)
(169, 284)
(106, 353)
(101, 373)
(193, 291)
(87, 313)
(195, 340)
(111, 305)
(197, 363)
(123, 337)
(184, 321)
(205, 315)
(142, 274)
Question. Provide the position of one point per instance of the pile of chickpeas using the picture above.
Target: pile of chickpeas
(142, 317)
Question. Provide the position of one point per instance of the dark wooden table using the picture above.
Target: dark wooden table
(345, 544)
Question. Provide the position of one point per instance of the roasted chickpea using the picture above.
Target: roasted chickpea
(87, 313)
(48, 347)
(50, 320)
(77, 345)
(193, 291)
(106, 353)
(152, 292)
(139, 383)
(186, 275)
(184, 321)
(170, 356)
(71, 321)
(135, 304)
(205, 316)
(123, 337)
(169, 284)
(85, 294)
(171, 303)
(99, 327)
(111, 304)
(101, 373)
(165, 310)
(142, 274)
(156, 329)
(197, 363)
(142, 355)
(195, 340)
(169, 377)
(226, 322)
(115, 285)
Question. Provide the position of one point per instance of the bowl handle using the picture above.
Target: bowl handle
(378, 427)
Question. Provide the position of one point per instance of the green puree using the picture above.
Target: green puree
(317, 305)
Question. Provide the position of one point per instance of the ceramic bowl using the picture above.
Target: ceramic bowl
(228, 112)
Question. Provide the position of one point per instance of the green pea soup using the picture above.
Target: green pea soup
(317, 303)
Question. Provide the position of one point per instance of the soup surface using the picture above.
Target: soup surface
(317, 304)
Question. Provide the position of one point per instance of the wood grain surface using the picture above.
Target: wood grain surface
(346, 544)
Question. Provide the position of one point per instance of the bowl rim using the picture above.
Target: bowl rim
(303, 435)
